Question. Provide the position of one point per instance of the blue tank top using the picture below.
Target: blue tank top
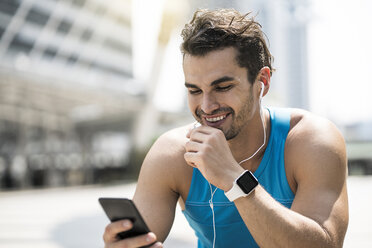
(231, 231)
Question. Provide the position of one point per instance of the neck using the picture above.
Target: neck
(249, 142)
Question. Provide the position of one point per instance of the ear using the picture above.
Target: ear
(264, 76)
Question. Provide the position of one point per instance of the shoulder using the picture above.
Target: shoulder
(313, 132)
(165, 159)
(314, 144)
(170, 145)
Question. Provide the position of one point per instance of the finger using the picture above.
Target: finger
(114, 228)
(192, 146)
(188, 133)
(201, 129)
(137, 241)
(195, 125)
(191, 159)
(199, 136)
(205, 129)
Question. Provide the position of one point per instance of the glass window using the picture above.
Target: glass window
(72, 59)
(64, 26)
(9, 6)
(37, 16)
(50, 53)
(87, 34)
(20, 44)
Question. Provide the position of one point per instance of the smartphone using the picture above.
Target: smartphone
(123, 208)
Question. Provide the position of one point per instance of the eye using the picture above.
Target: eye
(224, 88)
(194, 91)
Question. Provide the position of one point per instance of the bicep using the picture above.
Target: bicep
(324, 203)
(154, 195)
(320, 173)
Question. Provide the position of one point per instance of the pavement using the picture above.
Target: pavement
(71, 217)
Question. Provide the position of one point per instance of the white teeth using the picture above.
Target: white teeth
(215, 119)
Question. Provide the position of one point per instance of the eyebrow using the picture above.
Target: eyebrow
(215, 82)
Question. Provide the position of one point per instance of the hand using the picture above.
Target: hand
(208, 150)
(112, 241)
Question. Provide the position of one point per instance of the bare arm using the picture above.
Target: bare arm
(319, 214)
(155, 196)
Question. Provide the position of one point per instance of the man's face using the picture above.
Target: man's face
(219, 93)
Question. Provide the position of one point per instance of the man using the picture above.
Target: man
(297, 196)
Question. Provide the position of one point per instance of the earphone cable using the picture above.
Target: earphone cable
(244, 160)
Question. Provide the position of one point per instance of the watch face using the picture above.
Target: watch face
(247, 182)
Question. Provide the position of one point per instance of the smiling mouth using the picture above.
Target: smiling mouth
(215, 119)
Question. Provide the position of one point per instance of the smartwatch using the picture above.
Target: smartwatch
(242, 186)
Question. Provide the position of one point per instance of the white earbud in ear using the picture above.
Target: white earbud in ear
(262, 89)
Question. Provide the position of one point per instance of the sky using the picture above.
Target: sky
(340, 52)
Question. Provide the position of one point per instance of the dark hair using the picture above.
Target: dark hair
(211, 30)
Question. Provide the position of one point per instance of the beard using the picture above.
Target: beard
(239, 119)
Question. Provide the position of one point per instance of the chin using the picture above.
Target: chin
(230, 136)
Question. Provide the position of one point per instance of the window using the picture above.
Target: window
(37, 16)
(50, 53)
(64, 26)
(21, 44)
(87, 34)
(72, 59)
(9, 6)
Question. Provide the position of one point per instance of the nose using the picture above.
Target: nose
(209, 104)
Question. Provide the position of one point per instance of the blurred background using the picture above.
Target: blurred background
(86, 86)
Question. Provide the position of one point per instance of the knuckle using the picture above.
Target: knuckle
(210, 138)
(187, 145)
(219, 132)
(108, 230)
(207, 149)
